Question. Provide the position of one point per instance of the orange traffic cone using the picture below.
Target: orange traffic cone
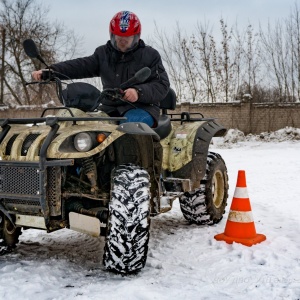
(240, 226)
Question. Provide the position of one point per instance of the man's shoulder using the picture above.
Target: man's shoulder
(101, 48)
(148, 48)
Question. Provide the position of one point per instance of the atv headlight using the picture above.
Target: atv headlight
(83, 142)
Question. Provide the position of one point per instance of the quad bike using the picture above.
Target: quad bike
(81, 169)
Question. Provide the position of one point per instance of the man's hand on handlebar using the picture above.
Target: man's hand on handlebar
(37, 75)
(44, 74)
(131, 95)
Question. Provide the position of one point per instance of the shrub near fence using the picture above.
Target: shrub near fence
(245, 116)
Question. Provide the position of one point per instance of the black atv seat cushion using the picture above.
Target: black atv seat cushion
(169, 102)
(164, 126)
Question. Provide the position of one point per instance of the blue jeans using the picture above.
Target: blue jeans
(138, 115)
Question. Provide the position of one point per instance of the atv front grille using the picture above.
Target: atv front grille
(20, 188)
(54, 190)
(19, 180)
(19, 202)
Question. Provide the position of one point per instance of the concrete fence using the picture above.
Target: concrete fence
(248, 117)
(245, 116)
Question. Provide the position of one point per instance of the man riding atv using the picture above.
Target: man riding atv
(76, 167)
(117, 61)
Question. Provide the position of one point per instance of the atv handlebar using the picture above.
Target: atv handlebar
(50, 76)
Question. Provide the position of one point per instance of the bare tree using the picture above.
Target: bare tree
(24, 19)
(278, 53)
(247, 62)
(170, 47)
(224, 60)
(265, 64)
(204, 46)
(188, 62)
(293, 35)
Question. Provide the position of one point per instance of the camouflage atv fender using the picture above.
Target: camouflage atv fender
(186, 148)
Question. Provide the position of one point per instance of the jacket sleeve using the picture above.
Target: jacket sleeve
(157, 86)
(84, 67)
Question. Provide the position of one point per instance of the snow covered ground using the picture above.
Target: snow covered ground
(184, 261)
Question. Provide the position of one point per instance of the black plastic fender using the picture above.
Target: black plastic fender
(195, 169)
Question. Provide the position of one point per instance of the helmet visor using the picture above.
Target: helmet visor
(124, 44)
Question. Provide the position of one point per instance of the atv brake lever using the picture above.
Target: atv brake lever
(117, 94)
(128, 102)
(122, 93)
(113, 93)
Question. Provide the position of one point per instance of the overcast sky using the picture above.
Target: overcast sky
(90, 18)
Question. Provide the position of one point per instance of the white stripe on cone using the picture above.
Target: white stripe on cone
(240, 192)
(240, 216)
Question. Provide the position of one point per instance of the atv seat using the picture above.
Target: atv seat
(164, 126)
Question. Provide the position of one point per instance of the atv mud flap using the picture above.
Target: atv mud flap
(85, 224)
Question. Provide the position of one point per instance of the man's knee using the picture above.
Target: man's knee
(139, 115)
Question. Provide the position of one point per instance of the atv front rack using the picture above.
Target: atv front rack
(53, 120)
(50, 121)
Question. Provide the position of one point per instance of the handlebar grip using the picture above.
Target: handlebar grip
(47, 75)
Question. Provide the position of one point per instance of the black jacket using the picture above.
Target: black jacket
(115, 67)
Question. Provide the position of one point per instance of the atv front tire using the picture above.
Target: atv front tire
(129, 220)
(206, 205)
(8, 233)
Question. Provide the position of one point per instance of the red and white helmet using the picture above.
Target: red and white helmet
(125, 23)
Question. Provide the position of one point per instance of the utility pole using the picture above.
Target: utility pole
(2, 66)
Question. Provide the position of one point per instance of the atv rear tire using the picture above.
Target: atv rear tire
(8, 233)
(129, 220)
(206, 205)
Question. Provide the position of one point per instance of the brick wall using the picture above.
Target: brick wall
(245, 116)
(20, 112)
(248, 117)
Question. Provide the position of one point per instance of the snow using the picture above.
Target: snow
(184, 261)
